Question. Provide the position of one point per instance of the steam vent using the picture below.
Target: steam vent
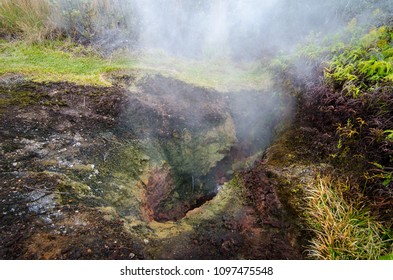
(196, 129)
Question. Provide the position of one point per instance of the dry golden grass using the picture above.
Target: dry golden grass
(343, 230)
(26, 18)
(40, 19)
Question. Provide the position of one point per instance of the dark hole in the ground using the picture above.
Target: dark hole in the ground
(203, 135)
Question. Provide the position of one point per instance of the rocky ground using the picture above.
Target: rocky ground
(150, 168)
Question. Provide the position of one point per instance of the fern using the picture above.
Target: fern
(389, 135)
(362, 64)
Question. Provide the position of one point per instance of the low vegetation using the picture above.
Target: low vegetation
(68, 61)
(58, 61)
(344, 228)
(346, 82)
(366, 63)
(83, 21)
(25, 19)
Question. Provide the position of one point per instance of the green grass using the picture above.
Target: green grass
(221, 74)
(387, 257)
(58, 61)
(64, 61)
(34, 22)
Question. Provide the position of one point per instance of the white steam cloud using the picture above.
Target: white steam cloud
(239, 28)
(243, 28)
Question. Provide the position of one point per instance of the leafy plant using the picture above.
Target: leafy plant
(389, 135)
(380, 172)
(362, 63)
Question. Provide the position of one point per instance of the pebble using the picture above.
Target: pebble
(131, 255)
(146, 241)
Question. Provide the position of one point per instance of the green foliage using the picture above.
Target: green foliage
(363, 63)
(348, 136)
(389, 135)
(380, 173)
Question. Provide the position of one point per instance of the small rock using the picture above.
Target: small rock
(14, 163)
(146, 241)
(131, 255)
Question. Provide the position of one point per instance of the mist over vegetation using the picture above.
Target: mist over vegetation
(241, 29)
(245, 29)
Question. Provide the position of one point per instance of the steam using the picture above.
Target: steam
(241, 30)
(246, 29)
(203, 28)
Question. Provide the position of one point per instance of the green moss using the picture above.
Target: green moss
(228, 201)
(21, 98)
(123, 173)
(196, 153)
(69, 191)
(126, 162)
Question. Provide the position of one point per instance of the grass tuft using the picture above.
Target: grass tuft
(344, 230)
(25, 18)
